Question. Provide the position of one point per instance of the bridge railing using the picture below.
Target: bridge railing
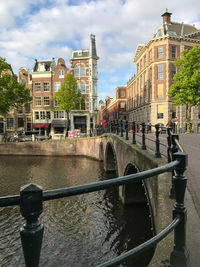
(139, 133)
(31, 200)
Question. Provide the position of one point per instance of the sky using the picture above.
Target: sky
(43, 29)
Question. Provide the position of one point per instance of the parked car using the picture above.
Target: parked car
(23, 137)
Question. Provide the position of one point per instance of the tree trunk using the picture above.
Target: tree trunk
(188, 119)
(67, 127)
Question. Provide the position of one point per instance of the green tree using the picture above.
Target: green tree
(68, 97)
(186, 86)
(12, 93)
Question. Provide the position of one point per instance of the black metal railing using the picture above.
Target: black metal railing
(31, 200)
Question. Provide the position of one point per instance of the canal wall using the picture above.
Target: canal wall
(125, 153)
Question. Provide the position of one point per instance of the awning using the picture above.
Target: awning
(59, 123)
(40, 125)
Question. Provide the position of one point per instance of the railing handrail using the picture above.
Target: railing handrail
(144, 246)
(32, 196)
(92, 187)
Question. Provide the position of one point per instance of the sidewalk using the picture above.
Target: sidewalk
(191, 145)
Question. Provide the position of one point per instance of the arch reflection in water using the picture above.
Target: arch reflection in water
(79, 231)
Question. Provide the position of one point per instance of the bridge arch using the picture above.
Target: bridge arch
(133, 193)
(110, 162)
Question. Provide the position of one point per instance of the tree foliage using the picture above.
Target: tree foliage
(12, 93)
(68, 97)
(186, 86)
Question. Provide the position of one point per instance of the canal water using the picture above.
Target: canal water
(80, 231)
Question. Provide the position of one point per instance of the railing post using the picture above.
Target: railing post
(121, 124)
(32, 231)
(143, 147)
(133, 128)
(157, 153)
(174, 149)
(126, 127)
(117, 127)
(169, 143)
(180, 255)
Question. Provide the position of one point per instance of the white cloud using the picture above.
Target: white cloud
(54, 29)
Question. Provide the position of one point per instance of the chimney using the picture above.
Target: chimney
(93, 51)
(166, 17)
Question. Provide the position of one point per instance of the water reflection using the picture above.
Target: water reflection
(79, 231)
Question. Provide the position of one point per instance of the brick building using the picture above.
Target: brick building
(45, 79)
(84, 68)
(115, 108)
(147, 90)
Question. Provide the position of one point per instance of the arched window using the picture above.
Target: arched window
(82, 70)
(76, 71)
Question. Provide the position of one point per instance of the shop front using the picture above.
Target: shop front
(58, 129)
(43, 128)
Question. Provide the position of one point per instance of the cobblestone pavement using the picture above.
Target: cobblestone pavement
(191, 145)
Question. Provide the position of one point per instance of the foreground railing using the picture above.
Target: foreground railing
(31, 200)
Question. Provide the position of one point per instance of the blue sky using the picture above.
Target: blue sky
(44, 29)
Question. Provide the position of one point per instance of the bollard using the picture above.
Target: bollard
(157, 153)
(117, 127)
(121, 124)
(126, 128)
(180, 255)
(143, 147)
(32, 231)
(133, 128)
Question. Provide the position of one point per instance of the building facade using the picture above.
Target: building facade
(115, 108)
(84, 68)
(43, 82)
(147, 90)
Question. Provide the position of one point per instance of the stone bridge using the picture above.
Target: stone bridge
(123, 158)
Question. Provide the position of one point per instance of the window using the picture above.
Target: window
(59, 114)
(36, 115)
(160, 113)
(82, 70)
(160, 52)
(48, 115)
(61, 73)
(173, 71)
(56, 86)
(1, 125)
(76, 71)
(79, 71)
(82, 88)
(42, 115)
(23, 81)
(160, 91)
(150, 74)
(46, 101)
(20, 122)
(27, 107)
(122, 94)
(46, 86)
(173, 51)
(37, 101)
(37, 87)
(19, 110)
(122, 105)
(10, 123)
(160, 72)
